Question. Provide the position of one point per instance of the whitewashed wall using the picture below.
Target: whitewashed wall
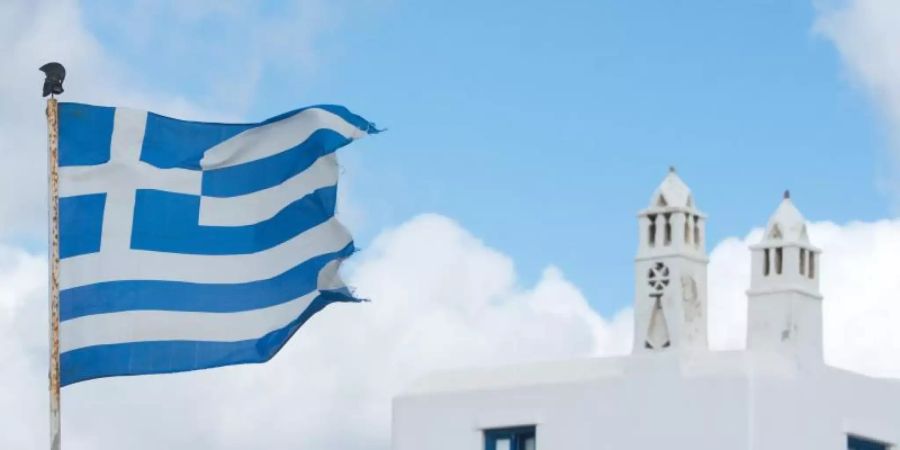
(728, 400)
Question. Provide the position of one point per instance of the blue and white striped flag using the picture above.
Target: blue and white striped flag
(188, 245)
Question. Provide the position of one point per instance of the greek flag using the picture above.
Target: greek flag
(188, 245)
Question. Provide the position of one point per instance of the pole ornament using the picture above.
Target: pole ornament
(55, 75)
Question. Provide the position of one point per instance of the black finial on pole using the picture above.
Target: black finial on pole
(787, 194)
(55, 75)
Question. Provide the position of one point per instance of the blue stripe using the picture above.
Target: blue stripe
(272, 171)
(85, 133)
(169, 222)
(138, 358)
(80, 224)
(172, 142)
(349, 117)
(117, 296)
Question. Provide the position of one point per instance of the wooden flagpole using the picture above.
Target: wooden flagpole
(53, 172)
(55, 75)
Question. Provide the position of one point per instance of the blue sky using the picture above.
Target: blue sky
(543, 127)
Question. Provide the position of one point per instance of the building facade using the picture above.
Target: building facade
(672, 391)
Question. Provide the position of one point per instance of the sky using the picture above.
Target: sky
(497, 213)
(543, 127)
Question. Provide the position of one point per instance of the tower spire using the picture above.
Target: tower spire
(670, 271)
(785, 312)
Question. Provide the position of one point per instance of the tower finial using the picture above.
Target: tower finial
(787, 194)
(671, 169)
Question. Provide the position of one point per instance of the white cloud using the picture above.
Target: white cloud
(868, 38)
(728, 279)
(867, 35)
(22, 346)
(861, 306)
(228, 59)
(221, 50)
(441, 299)
(31, 34)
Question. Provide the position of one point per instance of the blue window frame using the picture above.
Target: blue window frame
(514, 438)
(858, 443)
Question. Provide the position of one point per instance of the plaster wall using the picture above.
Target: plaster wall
(725, 400)
(646, 407)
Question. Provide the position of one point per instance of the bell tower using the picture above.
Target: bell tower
(785, 306)
(670, 272)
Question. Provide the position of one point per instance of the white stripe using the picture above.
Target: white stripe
(330, 276)
(139, 326)
(82, 180)
(262, 205)
(126, 264)
(124, 154)
(271, 139)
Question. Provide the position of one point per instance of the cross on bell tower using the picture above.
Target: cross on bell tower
(670, 271)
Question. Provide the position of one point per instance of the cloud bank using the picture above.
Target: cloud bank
(31, 34)
(861, 306)
(34, 32)
(441, 299)
(866, 33)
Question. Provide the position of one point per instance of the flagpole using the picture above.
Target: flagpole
(53, 85)
(53, 163)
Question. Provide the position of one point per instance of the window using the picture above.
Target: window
(812, 264)
(858, 443)
(779, 255)
(668, 230)
(517, 438)
(766, 263)
(802, 261)
(696, 231)
(661, 201)
(651, 236)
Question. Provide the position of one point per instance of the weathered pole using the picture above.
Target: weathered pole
(53, 85)
(53, 163)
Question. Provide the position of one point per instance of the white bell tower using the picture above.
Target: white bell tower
(670, 272)
(785, 306)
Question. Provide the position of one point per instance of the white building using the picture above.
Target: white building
(672, 391)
